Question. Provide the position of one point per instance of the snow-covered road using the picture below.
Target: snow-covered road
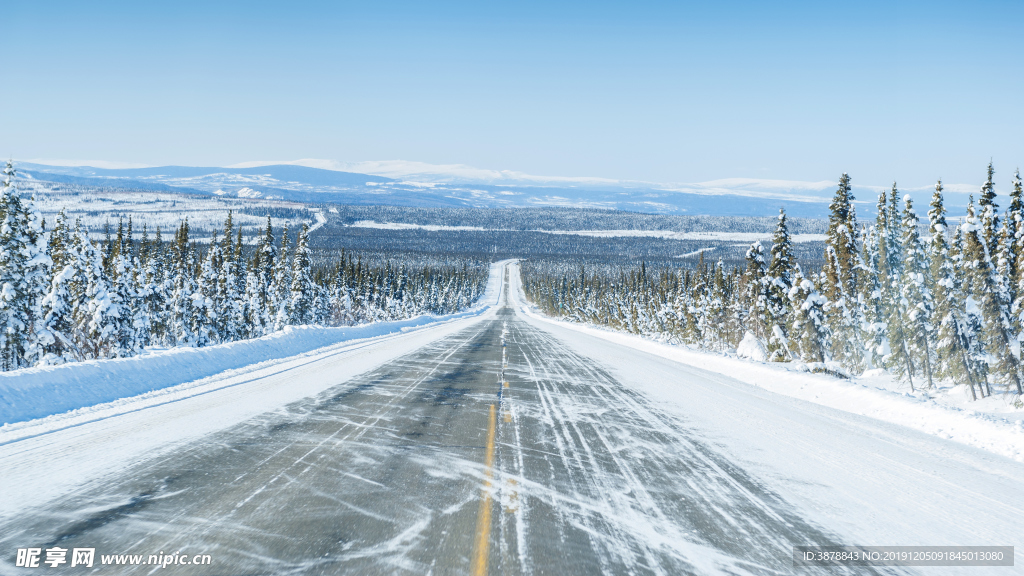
(496, 444)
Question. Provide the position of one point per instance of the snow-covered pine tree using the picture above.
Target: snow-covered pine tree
(953, 340)
(715, 307)
(780, 283)
(281, 287)
(758, 318)
(181, 308)
(163, 260)
(989, 294)
(302, 299)
(842, 261)
(989, 217)
(872, 293)
(916, 304)
(1003, 257)
(258, 284)
(58, 306)
(24, 276)
(241, 308)
(974, 319)
(809, 331)
(898, 358)
(124, 296)
(1015, 279)
(228, 300)
(205, 302)
(98, 326)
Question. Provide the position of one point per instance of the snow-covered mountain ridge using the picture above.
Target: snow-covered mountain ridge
(419, 184)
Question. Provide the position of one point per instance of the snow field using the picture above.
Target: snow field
(745, 237)
(40, 392)
(991, 424)
(45, 458)
(870, 479)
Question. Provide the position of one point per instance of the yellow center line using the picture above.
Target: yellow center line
(483, 520)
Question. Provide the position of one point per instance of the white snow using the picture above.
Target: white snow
(45, 391)
(664, 234)
(83, 446)
(993, 424)
(248, 193)
(750, 347)
(868, 464)
(320, 221)
(401, 226)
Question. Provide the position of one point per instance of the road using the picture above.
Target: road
(498, 449)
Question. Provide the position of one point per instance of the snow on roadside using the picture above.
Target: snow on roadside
(992, 424)
(34, 393)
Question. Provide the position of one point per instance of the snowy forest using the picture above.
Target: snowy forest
(947, 303)
(65, 298)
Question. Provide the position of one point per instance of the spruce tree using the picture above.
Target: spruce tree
(24, 270)
(915, 303)
(989, 220)
(780, 282)
(302, 299)
(124, 295)
(841, 263)
(989, 294)
(98, 327)
(758, 318)
(953, 339)
(259, 284)
(281, 287)
(182, 312)
(872, 292)
(809, 331)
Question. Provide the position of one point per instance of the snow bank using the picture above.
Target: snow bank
(750, 347)
(39, 392)
(992, 424)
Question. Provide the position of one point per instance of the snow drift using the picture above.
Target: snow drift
(44, 391)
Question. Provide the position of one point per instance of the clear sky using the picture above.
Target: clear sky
(679, 92)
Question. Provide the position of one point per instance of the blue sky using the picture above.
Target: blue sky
(669, 92)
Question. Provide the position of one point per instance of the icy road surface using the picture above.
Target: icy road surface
(504, 448)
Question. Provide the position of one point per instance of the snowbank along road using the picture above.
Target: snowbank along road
(511, 445)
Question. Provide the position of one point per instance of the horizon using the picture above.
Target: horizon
(461, 173)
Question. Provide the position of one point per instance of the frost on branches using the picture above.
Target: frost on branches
(65, 298)
(948, 305)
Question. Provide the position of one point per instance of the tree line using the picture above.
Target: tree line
(66, 298)
(945, 304)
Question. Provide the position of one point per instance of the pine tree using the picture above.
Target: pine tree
(182, 312)
(872, 292)
(98, 327)
(954, 341)
(1015, 218)
(989, 294)
(989, 214)
(205, 299)
(780, 283)
(759, 319)
(842, 262)
(915, 303)
(24, 270)
(714, 308)
(302, 300)
(123, 296)
(281, 287)
(809, 330)
(258, 284)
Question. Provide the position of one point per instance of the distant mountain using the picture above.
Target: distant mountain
(419, 185)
